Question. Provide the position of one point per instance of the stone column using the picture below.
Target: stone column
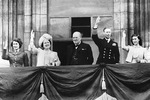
(121, 22)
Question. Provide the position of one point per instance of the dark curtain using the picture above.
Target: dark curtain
(60, 83)
(82, 82)
(128, 81)
(73, 82)
(20, 83)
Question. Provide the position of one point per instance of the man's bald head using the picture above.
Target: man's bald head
(76, 37)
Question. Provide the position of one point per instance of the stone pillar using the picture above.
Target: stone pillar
(120, 24)
(130, 19)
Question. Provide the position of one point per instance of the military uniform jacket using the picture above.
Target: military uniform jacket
(108, 51)
(80, 56)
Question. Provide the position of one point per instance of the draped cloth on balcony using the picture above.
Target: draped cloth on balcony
(123, 82)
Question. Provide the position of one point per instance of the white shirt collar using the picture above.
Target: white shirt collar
(108, 40)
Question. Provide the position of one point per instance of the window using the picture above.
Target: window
(81, 24)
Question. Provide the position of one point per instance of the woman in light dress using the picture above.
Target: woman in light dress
(45, 56)
(136, 51)
(146, 54)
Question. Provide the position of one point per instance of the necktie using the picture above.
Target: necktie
(76, 46)
(107, 40)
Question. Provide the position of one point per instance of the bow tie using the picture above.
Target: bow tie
(76, 46)
(107, 40)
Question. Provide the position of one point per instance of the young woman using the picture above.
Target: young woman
(16, 57)
(146, 54)
(136, 51)
(45, 56)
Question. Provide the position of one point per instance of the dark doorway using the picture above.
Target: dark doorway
(61, 48)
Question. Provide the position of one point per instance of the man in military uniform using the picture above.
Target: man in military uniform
(79, 53)
(108, 49)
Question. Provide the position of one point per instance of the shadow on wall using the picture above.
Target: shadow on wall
(61, 48)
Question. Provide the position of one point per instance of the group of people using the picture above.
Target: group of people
(78, 53)
(109, 52)
(45, 56)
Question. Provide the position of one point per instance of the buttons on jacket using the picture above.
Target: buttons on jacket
(107, 53)
(104, 53)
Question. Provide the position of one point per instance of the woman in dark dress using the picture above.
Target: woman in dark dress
(16, 57)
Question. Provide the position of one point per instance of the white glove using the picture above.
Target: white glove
(123, 33)
(5, 44)
(32, 36)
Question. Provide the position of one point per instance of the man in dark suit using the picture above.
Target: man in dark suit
(108, 49)
(79, 53)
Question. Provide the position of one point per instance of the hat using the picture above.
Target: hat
(43, 37)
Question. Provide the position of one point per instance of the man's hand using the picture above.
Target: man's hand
(97, 21)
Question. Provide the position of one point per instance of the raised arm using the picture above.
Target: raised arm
(98, 19)
(5, 50)
(31, 46)
(95, 37)
(96, 25)
(123, 43)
